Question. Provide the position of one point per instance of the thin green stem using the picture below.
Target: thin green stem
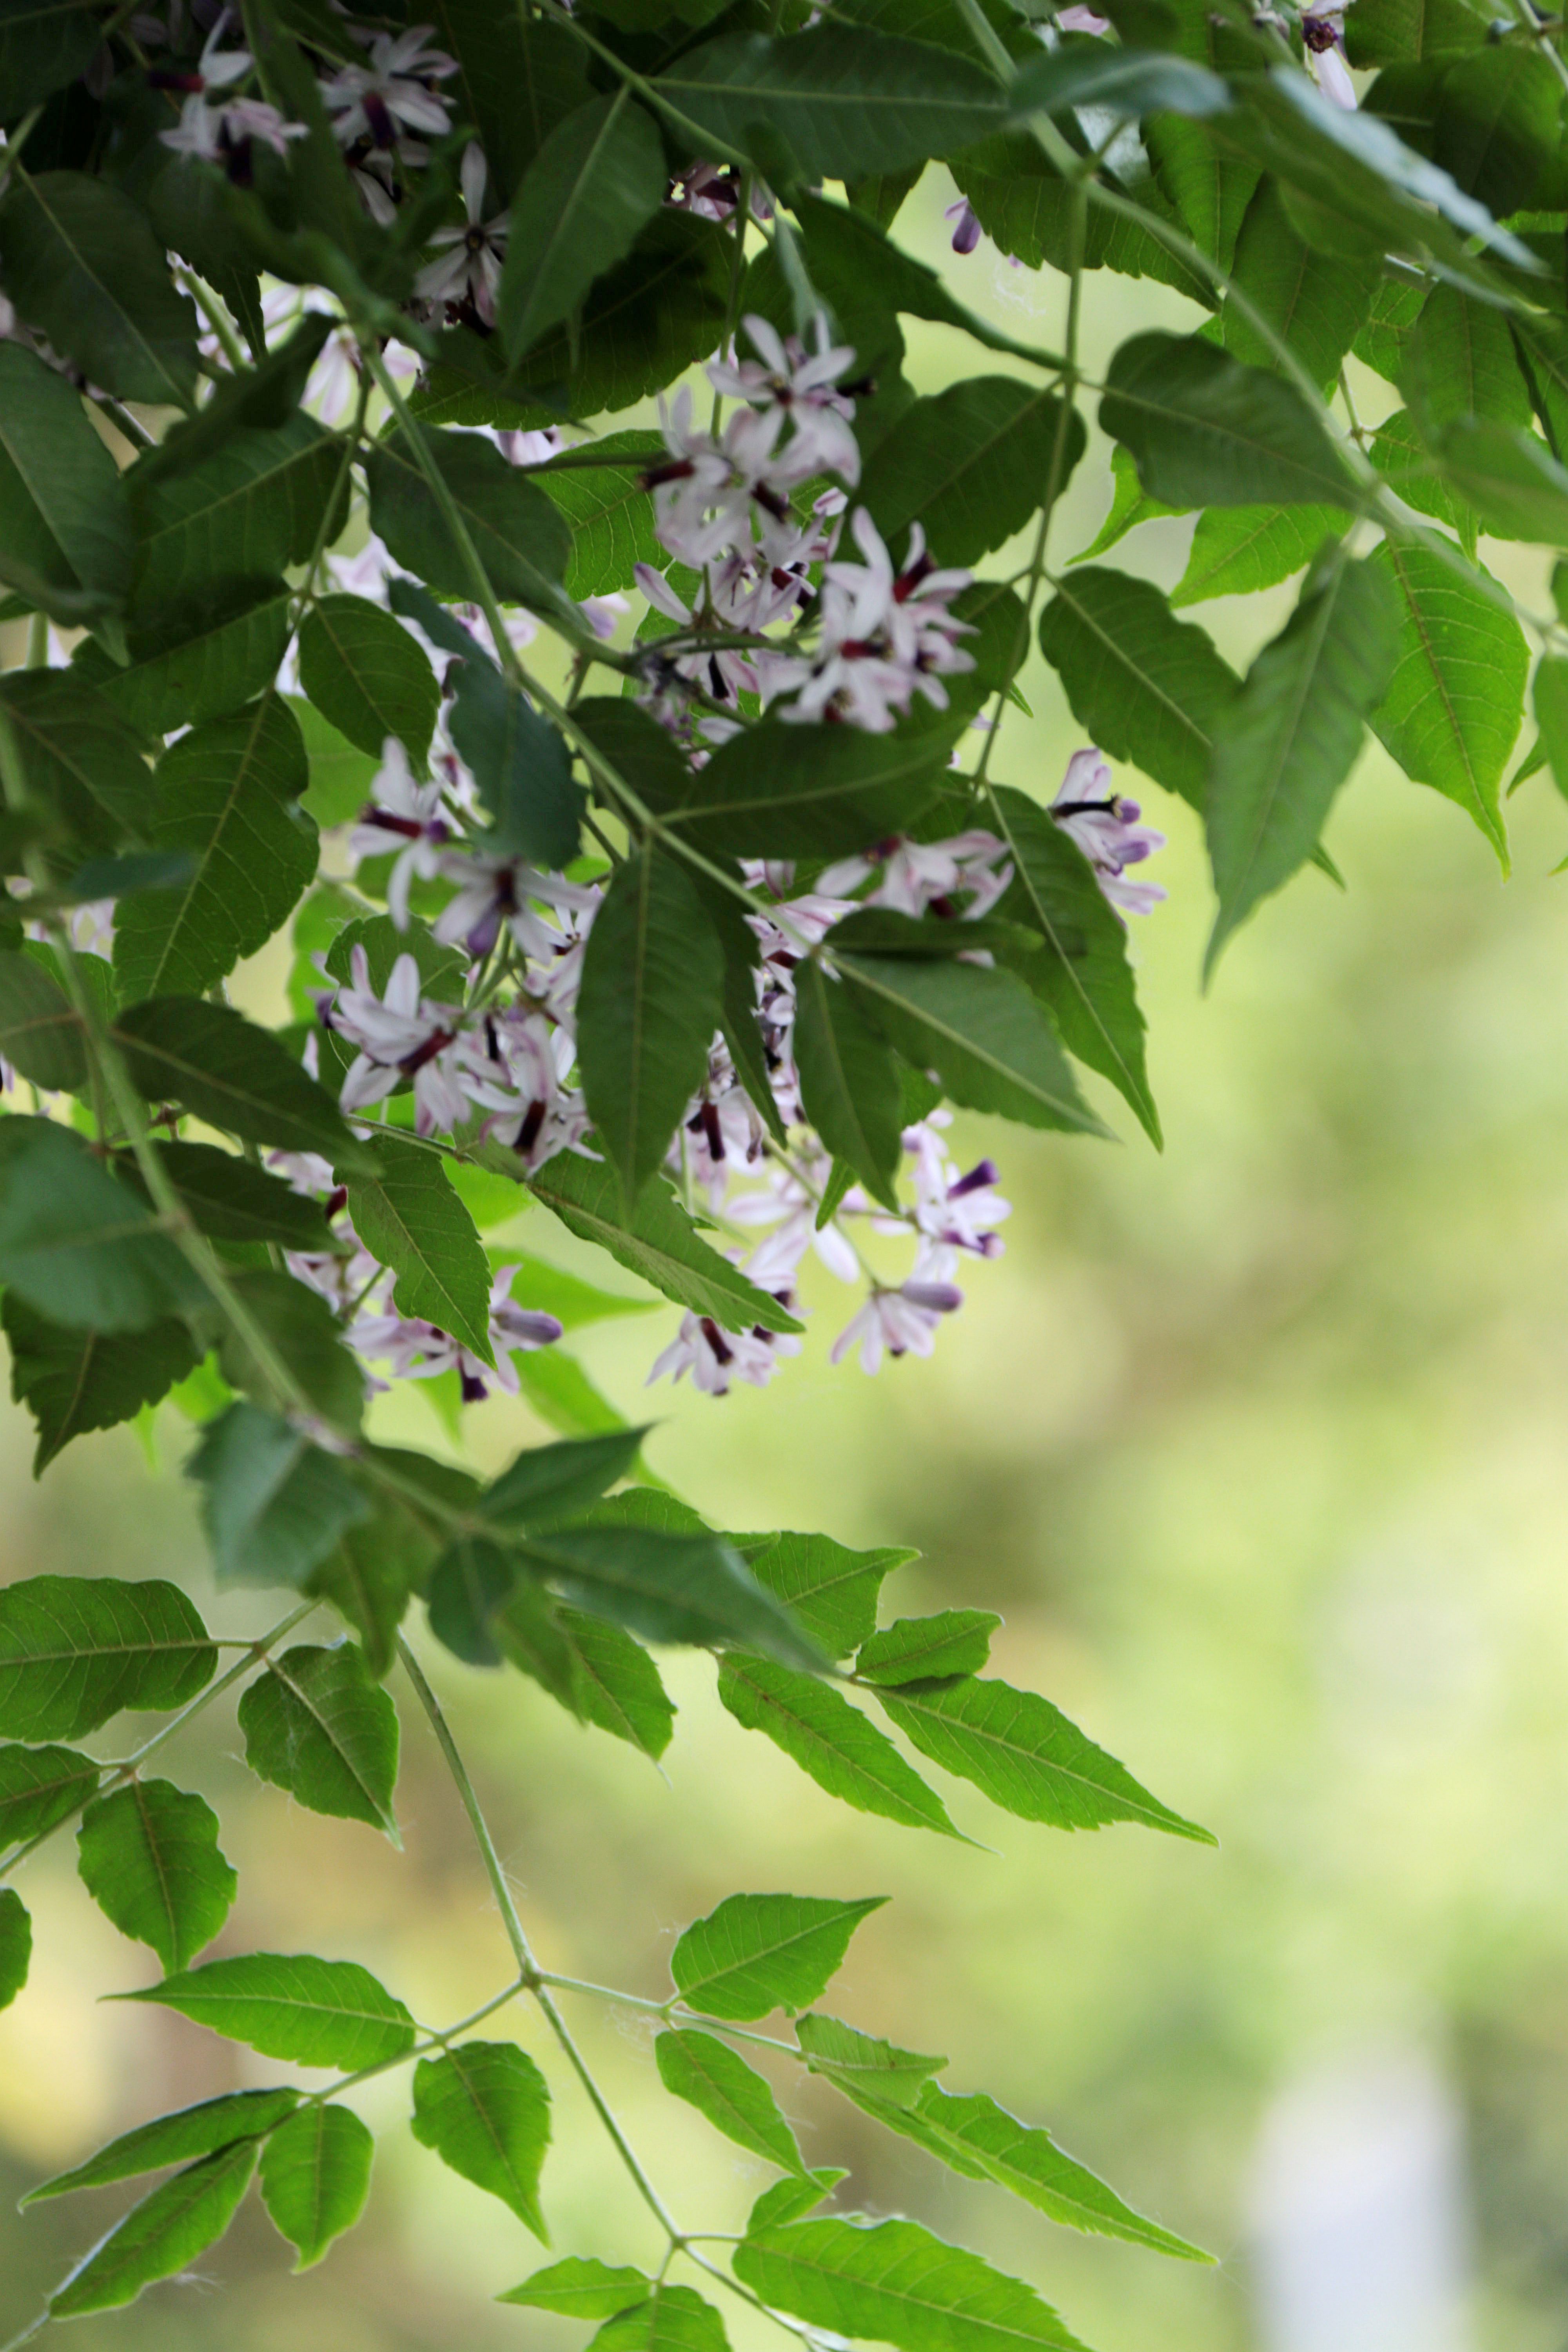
(433, 2041)
(732, 306)
(703, 142)
(670, 2009)
(790, 2326)
(130, 427)
(216, 317)
(27, 2334)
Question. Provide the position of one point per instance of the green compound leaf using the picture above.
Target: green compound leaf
(364, 673)
(224, 793)
(829, 1590)
(666, 1587)
(1147, 687)
(759, 1952)
(1314, 301)
(196, 660)
(522, 541)
(315, 2177)
(970, 464)
(310, 2011)
(174, 2139)
(651, 997)
(75, 1650)
(820, 1731)
(988, 1039)
(736, 2099)
(408, 1217)
(1453, 709)
(1510, 480)
(594, 184)
(161, 2236)
(65, 529)
(579, 2288)
(1237, 550)
(862, 2065)
(923, 1649)
(301, 1330)
(76, 1381)
(1207, 432)
(894, 2281)
(848, 1081)
(76, 1245)
(617, 1685)
(81, 263)
(40, 1787)
(149, 1857)
(1285, 745)
(226, 1071)
(484, 2107)
(80, 762)
(273, 1504)
(848, 104)
(246, 512)
(319, 1724)
(15, 1945)
(1025, 1756)
(609, 513)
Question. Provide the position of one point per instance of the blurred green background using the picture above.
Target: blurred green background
(1258, 1446)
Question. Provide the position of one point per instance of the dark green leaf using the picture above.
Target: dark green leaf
(40, 1787)
(919, 1649)
(255, 399)
(224, 793)
(617, 1685)
(831, 1590)
(317, 1724)
(1027, 1756)
(895, 2282)
(63, 523)
(15, 1945)
(831, 1740)
(1499, 128)
(315, 2177)
(596, 180)
(859, 2064)
(299, 1329)
(1453, 710)
(1285, 745)
(80, 760)
(484, 2107)
(246, 512)
(75, 1650)
(231, 1200)
(76, 1245)
(1206, 431)
(372, 1575)
(989, 1040)
(233, 1075)
(44, 44)
(160, 2237)
(548, 1484)
(1460, 361)
(516, 77)
(408, 1217)
(174, 2139)
(736, 2100)
(1514, 484)
(784, 791)
(81, 263)
(1237, 550)
(313, 2012)
(666, 1587)
(759, 1952)
(849, 1083)
(364, 672)
(580, 2289)
(970, 464)
(521, 766)
(149, 1857)
(1315, 302)
(274, 1505)
(1123, 80)
(522, 541)
(1148, 688)
(1209, 186)
(193, 661)
(40, 1035)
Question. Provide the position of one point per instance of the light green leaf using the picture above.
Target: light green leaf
(63, 521)
(580, 2289)
(1130, 505)
(1147, 687)
(408, 1217)
(923, 1649)
(1206, 431)
(736, 2100)
(1237, 550)
(299, 1329)
(245, 514)
(310, 2011)
(273, 1504)
(549, 1290)
(226, 1071)
(848, 1082)
(315, 2177)
(174, 2139)
(861, 2065)
(610, 513)
(1548, 701)
(75, 1650)
(15, 1945)
(759, 1952)
(1283, 748)
(161, 2236)
(1460, 359)
(829, 1590)
(788, 2198)
(1314, 301)
(1025, 1756)
(970, 464)
(1509, 477)
(617, 1685)
(76, 1245)
(149, 1857)
(1453, 710)
(317, 1724)
(224, 793)
(40, 1787)
(364, 671)
(673, 2319)
(596, 180)
(81, 263)
(831, 1740)
(484, 2107)
(341, 777)
(989, 1040)
(893, 2281)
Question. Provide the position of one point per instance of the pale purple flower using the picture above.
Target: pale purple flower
(1323, 35)
(393, 93)
(966, 235)
(904, 1321)
(400, 1035)
(953, 1210)
(403, 816)
(494, 892)
(918, 877)
(712, 191)
(417, 1351)
(785, 1203)
(1108, 831)
(709, 495)
(805, 386)
(1079, 19)
(724, 671)
(221, 133)
(886, 636)
(715, 1357)
(471, 262)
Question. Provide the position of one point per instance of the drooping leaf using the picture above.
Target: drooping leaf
(521, 767)
(1511, 479)
(734, 2097)
(364, 673)
(1460, 359)
(596, 180)
(830, 1589)
(522, 542)
(860, 2065)
(848, 1082)
(651, 998)
(246, 512)
(1314, 301)
(1285, 745)
(547, 1484)
(82, 263)
(174, 2139)
(580, 2289)
(75, 1650)
(273, 1504)
(617, 1685)
(63, 523)
(80, 760)
(228, 1071)
(970, 464)
(831, 1740)
(990, 1041)
(789, 2199)
(149, 1857)
(317, 1724)
(296, 1326)
(923, 1649)
(484, 2107)
(759, 1952)
(75, 1381)
(1025, 1756)
(223, 793)
(76, 1245)
(894, 2281)
(1147, 687)
(1206, 431)
(370, 1576)
(310, 2011)
(232, 1200)
(40, 1787)
(1500, 126)
(315, 2177)
(666, 1587)
(1453, 709)
(160, 2237)
(410, 1218)
(15, 1945)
